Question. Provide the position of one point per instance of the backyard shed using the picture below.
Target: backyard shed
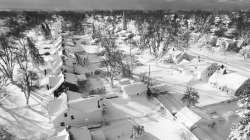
(187, 117)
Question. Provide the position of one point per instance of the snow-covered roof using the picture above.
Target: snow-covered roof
(92, 49)
(73, 95)
(49, 46)
(74, 49)
(57, 106)
(88, 104)
(133, 89)
(63, 135)
(174, 52)
(56, 81)
(80, 133)
(95, 83)
(98, 135)
(187, 117)
(231, 80)
(86, 69)
(71, 78)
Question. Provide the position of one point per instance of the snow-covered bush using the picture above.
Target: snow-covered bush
(245, 52)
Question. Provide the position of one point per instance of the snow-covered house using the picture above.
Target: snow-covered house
(207, 39)
(187, 117)
(228, 83)
(55, 82)
(76, 113)
(73, 95)
(225, 43)
(134, 89)
(205, 70)
(176, 56)
(51, 47)
(53, 64)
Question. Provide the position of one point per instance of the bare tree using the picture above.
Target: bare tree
(27, 76)
(7, 58)
(111, 57)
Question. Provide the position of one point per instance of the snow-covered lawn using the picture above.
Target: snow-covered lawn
(28, 122)
(176, 79)
(158, 125)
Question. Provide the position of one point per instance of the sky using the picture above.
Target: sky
(123, 4)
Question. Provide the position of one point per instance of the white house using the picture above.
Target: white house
(228, 83)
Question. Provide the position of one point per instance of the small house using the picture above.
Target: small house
(228, 83)
(176, 56)
(187, 117)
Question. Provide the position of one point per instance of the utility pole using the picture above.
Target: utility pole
(148, 76)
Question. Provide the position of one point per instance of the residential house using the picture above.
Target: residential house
(176, 56)
(228, 83)
(204, 70)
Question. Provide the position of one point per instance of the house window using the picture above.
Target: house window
(72, 117)
(62, 124)
(65, 114)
